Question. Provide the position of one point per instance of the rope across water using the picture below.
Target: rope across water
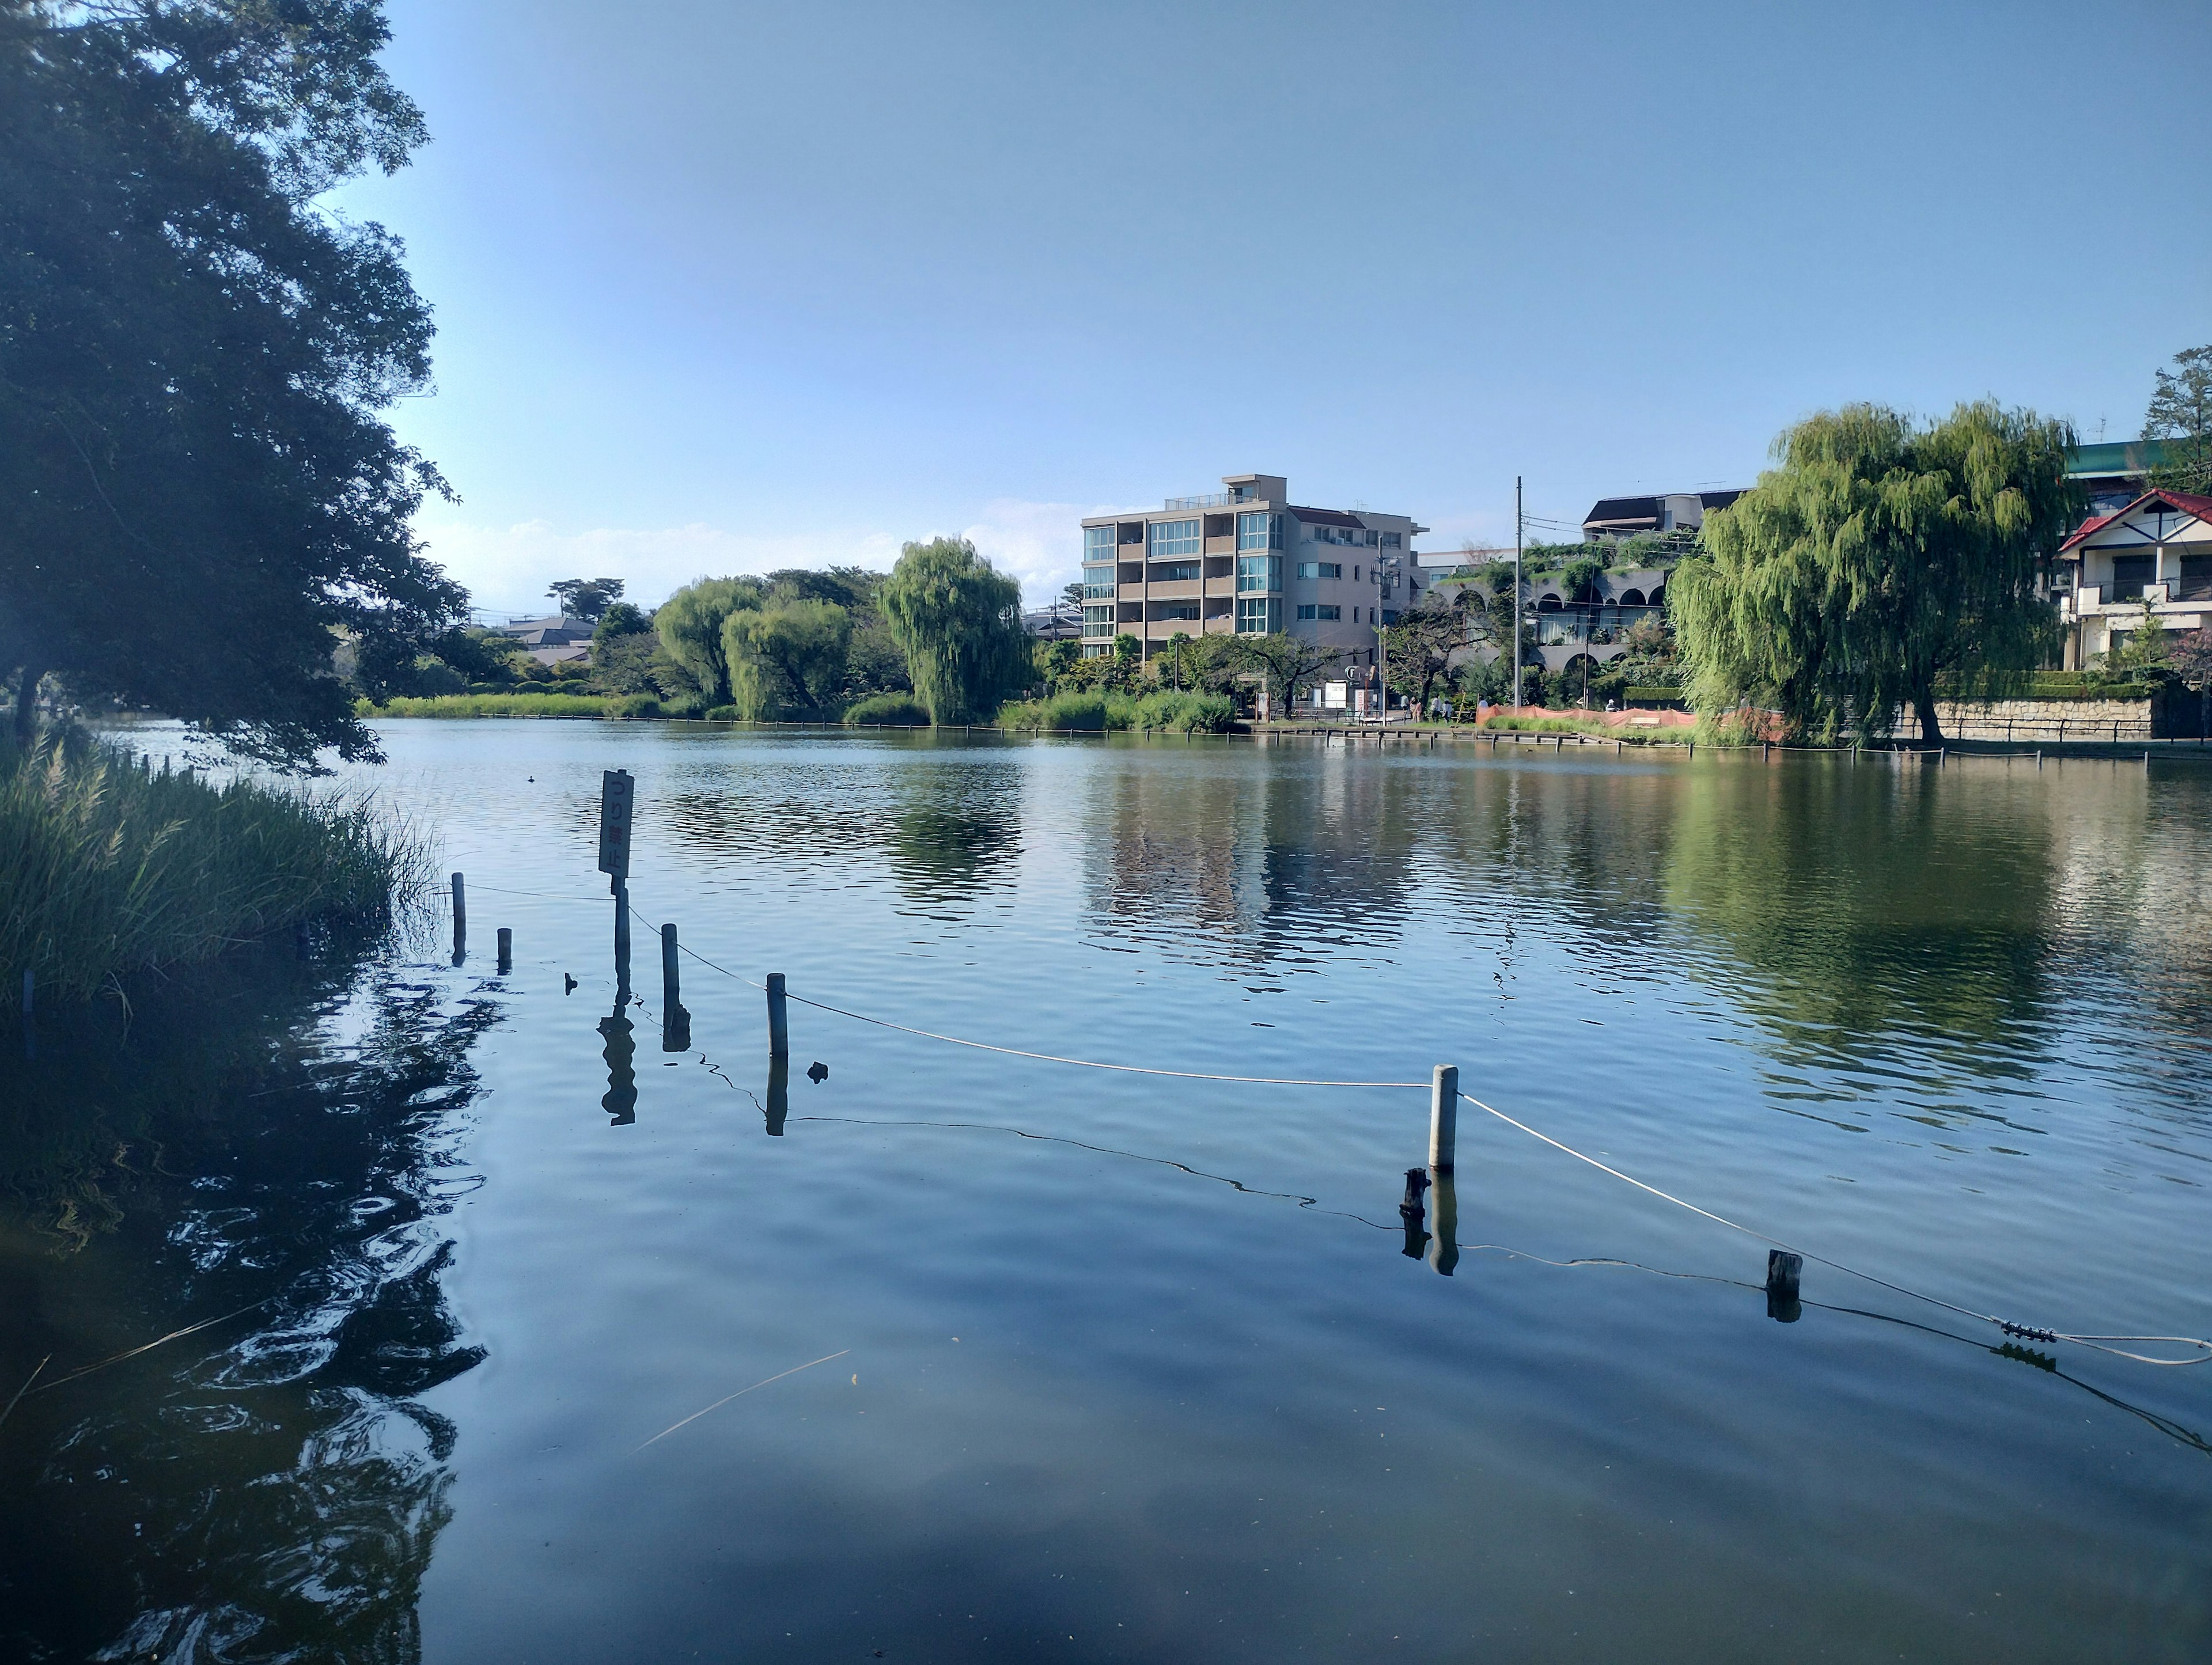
(2026, 1331)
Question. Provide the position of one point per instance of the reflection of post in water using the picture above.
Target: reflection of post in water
(1441, 1248)
(1410, 1211)
(779, 1095)
(621, 1102)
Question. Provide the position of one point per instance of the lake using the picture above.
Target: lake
(527, 1340)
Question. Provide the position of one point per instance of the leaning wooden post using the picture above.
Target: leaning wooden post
(1444, 1116)
(779, 1031)
(505, 948)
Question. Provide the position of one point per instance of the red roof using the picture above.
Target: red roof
(2187, 501)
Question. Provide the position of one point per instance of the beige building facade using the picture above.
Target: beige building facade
(1246, 561)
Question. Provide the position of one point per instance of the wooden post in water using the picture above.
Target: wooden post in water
(506, 949)
(779, 1031)
(460, 907)
(1444, 1117)
(29, 985)
(671, 992)
(1782, 1273)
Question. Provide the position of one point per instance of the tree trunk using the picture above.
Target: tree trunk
(1931, 729)
(26, 704)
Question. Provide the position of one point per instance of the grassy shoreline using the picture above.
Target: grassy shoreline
(106, 870)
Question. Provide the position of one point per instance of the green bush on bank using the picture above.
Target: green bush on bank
(1584, 725)
(105, 871)
(515, 705)
(1091, 712)
(894, 710)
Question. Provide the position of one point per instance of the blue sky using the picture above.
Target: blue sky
(722, 288)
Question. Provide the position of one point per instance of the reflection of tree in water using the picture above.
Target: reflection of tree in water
(951, 832)
(1866, 907)
(265, 1488)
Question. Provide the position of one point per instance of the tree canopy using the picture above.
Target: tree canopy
(197, 499)
(2180, 418)
(959, 622)
(1881, 557)
(1421, 643)
(787, 658)
(586, 598)
(689, 625)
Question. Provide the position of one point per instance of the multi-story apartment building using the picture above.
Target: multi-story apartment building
(1246, 561)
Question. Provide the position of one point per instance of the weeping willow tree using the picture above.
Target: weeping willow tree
(787, 658)
(690, 624)
(1881, 559)
(958, 620)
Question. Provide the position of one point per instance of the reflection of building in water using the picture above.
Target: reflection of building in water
(1293, 849)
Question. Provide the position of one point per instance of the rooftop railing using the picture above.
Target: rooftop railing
(1210, 500)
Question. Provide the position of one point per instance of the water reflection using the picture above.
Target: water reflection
(1863, 905)
(267, 1486)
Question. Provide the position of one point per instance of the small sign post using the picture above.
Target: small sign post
(617, 792)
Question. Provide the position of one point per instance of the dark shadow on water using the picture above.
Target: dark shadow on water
(267, 1486)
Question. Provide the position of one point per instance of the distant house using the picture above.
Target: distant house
(2155, 549)
(1061, 622)
(1613, 520)
(559, 630)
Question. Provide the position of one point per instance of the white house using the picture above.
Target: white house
(2157, 549)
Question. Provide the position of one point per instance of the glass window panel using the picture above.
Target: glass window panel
(1173, 538)
(1175, 571)
(1097, 543)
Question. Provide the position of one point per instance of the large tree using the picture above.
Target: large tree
(2180, 419)
(1421, 643)
(197, 498)
(959, 621)
(689, 625)
(787, 657)
(1881, 558)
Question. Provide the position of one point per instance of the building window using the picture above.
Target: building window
(1257, 616)
(1098, 581)
(1098, 543)
(1167, 538)
(1355, 574)
(1321, 609)
(1098, 621)
(1391, 540)
(1176, 572)
(1320, 569)
(1390, 617)
(1258, 531)
(1259, 572)
(1180, 609)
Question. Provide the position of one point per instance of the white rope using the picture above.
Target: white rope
(2030, 1332)
(2027, 1332)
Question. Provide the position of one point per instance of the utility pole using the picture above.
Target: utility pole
(1516, 591)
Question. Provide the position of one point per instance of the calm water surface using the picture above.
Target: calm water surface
(1048, 1363)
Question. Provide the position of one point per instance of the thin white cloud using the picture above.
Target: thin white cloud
(1040, 544)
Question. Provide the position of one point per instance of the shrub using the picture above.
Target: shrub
(633, 705)
(1190, 713)
(893, 710)
(721, 713)
(1083, 712)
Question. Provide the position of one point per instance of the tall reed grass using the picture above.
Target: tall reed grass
(105, 871)
(517, 705)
